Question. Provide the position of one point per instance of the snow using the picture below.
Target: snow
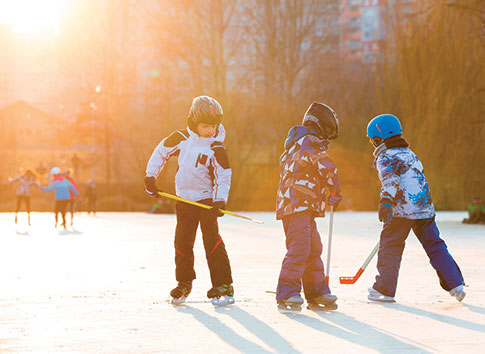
(103, 288)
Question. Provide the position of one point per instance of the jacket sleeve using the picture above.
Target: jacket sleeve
(386, 168)
(166, 149)
(72, 188)
(48, 189)
(222, 173)
(329, 176)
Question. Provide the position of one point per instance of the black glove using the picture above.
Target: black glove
(385, 211)
(334, 200)
(151, 187)
(215, 209)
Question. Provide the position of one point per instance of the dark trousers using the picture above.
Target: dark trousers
(188, 219)
(302, 264)
(60, 207)
(26, 200)
(392, 241)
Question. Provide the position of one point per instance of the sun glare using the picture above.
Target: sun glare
(29, 16)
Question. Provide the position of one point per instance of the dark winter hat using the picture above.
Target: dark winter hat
(206, 110)
(324, 118)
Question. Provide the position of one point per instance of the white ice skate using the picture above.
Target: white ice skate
(458, 292)
(374, 295)
(292, 304)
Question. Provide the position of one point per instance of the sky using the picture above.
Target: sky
(28, 16)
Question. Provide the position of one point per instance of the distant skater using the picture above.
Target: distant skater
(204, 176)
(405, 204)
(62, 187)
(71, 204)
(90, 195)
(25, 180)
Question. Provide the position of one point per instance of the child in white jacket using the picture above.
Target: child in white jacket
(203, 176)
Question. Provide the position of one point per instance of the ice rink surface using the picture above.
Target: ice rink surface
(104, 286)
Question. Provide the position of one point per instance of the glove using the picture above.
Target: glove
(385, 211)
(334, 200)
(151, 187)
(215, 209)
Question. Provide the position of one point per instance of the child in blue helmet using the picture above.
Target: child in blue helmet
(405, 204)
(308, 181)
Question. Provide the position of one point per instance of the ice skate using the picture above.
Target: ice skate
(458, 292)
(292, 304)
(221, 295)
(180, 293)
(325, 302)
(374, 295)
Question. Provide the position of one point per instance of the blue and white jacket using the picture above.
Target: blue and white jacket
(204, 171)
(403, 181)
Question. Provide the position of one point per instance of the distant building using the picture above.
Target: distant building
(364, 26)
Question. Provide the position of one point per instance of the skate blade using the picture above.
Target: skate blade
(178, 301)
(380, 299)
(460, 297)
(222, 301)
(320, 307)
(289, 308)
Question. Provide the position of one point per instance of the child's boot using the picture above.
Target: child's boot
(180, 292)
(375, 295)
(458, 292)
(292, 304)
(221, 295)
(323, 302)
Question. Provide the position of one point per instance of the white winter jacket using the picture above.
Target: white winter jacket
(204, 171)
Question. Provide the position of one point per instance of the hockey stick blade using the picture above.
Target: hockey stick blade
(351, 280)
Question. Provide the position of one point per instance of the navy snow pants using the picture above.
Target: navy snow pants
(302, 264)
(393, 237)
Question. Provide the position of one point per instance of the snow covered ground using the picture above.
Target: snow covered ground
(103, 288)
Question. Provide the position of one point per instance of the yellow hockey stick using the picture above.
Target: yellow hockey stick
(166, 195)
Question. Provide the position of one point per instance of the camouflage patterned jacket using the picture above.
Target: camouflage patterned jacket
(403, 182)
(306, 174)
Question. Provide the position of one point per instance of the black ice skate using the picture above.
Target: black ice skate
(325, 302)
(180, 293)
(292, 304)
(221, 295)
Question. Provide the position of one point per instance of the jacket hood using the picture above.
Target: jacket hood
(297, 132)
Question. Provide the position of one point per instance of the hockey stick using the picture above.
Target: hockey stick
(352, 280)
(166, 195)
(329, 243)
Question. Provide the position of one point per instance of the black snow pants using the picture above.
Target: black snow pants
(188, 219)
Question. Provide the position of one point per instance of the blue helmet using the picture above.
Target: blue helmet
(383, 127)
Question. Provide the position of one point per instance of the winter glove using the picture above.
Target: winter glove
(151, 187)
(385, 211)
(215, 209)
(334, 200)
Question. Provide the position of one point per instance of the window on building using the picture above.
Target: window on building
(354, 2)
(353, 44)
(353, 21)
(352, 30)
